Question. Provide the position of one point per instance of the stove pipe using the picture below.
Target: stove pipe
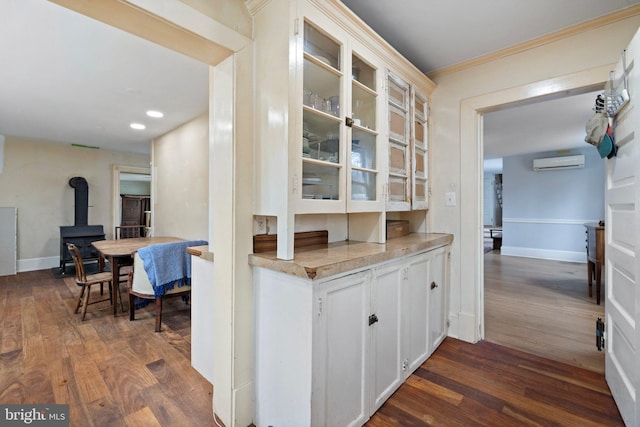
(81, 209)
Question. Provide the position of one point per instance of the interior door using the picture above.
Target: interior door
(133, 210)
(622, 263)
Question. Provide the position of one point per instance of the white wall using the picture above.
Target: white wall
(180, 161)
(545, 212)
(35, 179)
(451, 155)
(135, 188)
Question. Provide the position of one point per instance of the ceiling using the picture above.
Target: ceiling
(75, 80)
(68, 78)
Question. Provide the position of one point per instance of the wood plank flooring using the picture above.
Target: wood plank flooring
(542, 307)
(111, 372)
(538, 365)
(486, 384)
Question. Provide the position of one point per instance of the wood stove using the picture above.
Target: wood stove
(80, 234)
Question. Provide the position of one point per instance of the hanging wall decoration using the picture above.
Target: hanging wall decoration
(600, 127)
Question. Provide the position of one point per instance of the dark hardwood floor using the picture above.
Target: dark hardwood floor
(486, 384)
(113, 372)
(500, 381)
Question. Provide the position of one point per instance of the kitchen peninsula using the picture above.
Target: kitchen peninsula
(340, 327)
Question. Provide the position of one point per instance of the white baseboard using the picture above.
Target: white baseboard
(467, 327)
(453, 330)
(32, 264)
(550, 254)
(243, 403)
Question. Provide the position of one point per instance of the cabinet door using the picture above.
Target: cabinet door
(399, 157)
(438, 289)
(385, 323)
(415, 306)
(323, 171)
(419, 152)
(342, 346)
(365, 188)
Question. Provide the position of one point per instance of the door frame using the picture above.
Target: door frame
(115, 203)
(471, 320)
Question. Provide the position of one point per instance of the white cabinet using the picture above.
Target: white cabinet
(330, 352)
(340, 352)
(324, 140)
(407, 117)
(386, 338)
(424, 297)
(419, 151)
(399, 144)
(438, 297)
(415, 311)
(319, 113)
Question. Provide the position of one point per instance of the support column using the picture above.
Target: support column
(231, 233)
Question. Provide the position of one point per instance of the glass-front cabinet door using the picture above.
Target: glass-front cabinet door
(420, 187)
(340, 119)
(363, 142)
(322, 149)
(399, 119)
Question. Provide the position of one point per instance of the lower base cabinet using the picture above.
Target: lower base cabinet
(330, 352)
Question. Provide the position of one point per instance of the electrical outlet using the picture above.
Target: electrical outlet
(259, 224)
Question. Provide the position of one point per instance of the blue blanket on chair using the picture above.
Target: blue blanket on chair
(168, 264)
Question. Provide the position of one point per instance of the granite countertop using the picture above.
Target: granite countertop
(339, 257)
(201, 251)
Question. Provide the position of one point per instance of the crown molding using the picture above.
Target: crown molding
(255, 6)
(359, 29)
(540, 41)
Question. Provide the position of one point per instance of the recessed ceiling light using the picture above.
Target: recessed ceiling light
(155, 114)
(137, 126)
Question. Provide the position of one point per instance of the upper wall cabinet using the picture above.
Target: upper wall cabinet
(407, 112)
(321, 114)
(399, 144)
(340, 117)
(419, 152)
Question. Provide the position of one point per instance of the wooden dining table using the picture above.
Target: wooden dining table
(121, 251)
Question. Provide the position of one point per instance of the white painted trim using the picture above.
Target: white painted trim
(33, 264)
(550, 254)
(115, 206)
(198, 23)
(471, 284)
(548, 221)
(454, 325)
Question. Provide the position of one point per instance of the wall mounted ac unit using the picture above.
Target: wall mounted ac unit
(555, 163)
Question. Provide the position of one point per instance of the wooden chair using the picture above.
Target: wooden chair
(128, 231)
(139, 286)
(86, 281)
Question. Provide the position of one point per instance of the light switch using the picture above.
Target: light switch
(450, 198)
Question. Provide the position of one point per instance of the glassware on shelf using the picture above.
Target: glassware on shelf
(321, 47)
(364, 107)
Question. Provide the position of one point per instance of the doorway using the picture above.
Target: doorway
(542, 266)
(471, 133)
(132, 180)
